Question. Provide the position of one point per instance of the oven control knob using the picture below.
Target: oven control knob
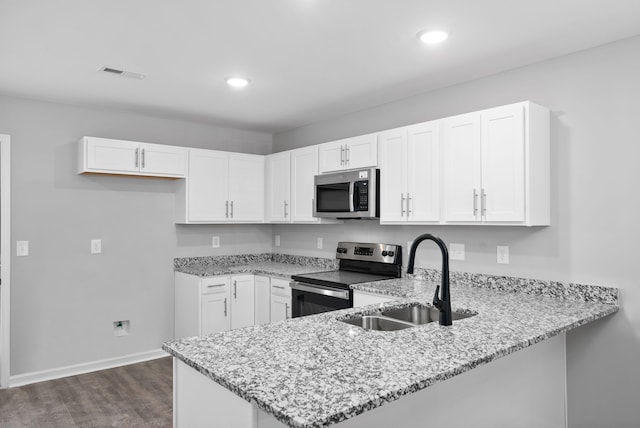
(390, 253)
(385, 254)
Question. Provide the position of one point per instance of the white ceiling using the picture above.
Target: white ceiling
(309, 60)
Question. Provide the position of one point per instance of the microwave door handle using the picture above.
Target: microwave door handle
(352, 196)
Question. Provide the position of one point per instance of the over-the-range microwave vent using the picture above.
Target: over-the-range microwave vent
(123, 73)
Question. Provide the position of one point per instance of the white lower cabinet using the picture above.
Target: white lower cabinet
(214, 311)
(262, 304)
(280, 299)
(205, 305)
(242, 301)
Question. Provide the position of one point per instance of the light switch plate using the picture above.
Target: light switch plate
(456, 251)
(277, 240)
(215, 242)
(22, 248)
(503, 254)
(96, 246)
(319, 243)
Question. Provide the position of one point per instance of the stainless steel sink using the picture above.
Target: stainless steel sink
(378, 322)
(421, 314)
(398, 319)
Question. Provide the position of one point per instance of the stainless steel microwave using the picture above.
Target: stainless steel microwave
(348, 194)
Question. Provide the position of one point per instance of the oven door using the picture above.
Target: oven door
(309, 299)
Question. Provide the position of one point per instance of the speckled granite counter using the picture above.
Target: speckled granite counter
(278, 265)
(316, 371)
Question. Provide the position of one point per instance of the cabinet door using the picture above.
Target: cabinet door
(280, 300)
(278, 187)
(503, 161)
(332, 156)
(393, 175)
(214, 313)
(423, 172)
(262, 300)
(115, 156)
(280, 308)
(157, 159)
(207, 185)
(242, 301)
(362, 151)
(461, 164)
(304, 166)
(246, 187)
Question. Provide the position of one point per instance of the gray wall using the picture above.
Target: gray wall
(595, 204)
(63, 299)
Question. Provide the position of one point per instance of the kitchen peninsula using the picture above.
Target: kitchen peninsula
(317, 371)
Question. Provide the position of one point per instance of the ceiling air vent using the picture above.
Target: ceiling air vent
(123, 72)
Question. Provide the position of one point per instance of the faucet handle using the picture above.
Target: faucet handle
(436, 299)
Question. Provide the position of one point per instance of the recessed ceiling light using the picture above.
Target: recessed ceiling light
(237, 82)
(432, 37)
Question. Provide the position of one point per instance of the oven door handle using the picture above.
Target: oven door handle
(317, 289)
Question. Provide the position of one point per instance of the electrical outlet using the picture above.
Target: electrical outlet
(277, 240)
(456, 251)
(96, 246)
(22, 248)
(215, 242)
(503, 254)
(319, 243)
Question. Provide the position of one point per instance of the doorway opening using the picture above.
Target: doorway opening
(5, 256)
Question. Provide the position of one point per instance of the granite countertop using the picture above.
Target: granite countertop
(315, 371)
(278, 265)
(283, 270)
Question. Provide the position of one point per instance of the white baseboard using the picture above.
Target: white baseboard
(76, 369)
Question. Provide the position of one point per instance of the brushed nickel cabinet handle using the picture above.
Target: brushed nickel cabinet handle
(408, 204)
(235, 289)
(226, 212)
(285, 209)
(143, 158)
(483, 203)
(231, 209)
(402, 198)
(137, 156)
(225, 306)
(475, 203)
(347, 150)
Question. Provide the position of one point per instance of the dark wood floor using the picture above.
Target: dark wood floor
(138, 395)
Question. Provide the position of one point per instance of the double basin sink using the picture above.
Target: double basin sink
(398, 319)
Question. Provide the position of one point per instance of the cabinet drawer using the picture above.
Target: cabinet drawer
(214, 285)
(280, 287)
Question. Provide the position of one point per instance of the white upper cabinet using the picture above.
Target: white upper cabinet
(350, 153)
(221, 187)
(496, 166)
(304, 166)
(409, 174)
(246, 187)
(290, 187)
(278, 187)
(461, 167)
(103, 155)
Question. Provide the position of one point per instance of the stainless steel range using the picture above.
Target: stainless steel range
(318, 292)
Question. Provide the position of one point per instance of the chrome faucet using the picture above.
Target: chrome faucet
(444, 304)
